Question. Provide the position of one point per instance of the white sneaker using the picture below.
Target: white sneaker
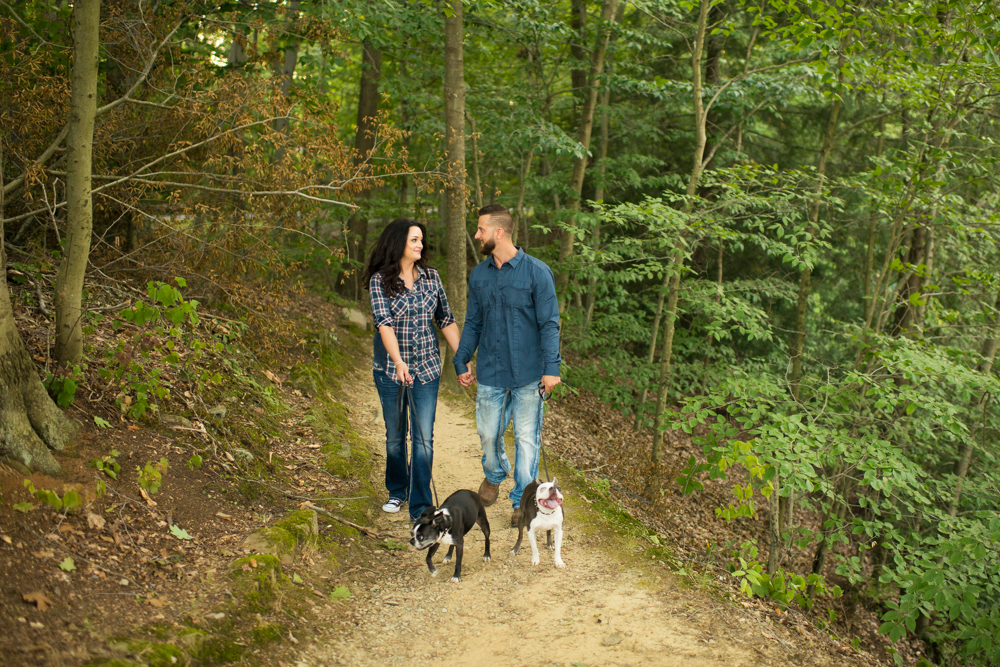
(392, 506)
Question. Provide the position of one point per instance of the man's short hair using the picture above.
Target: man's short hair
(499, 217)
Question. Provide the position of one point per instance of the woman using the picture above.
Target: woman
(406, 295)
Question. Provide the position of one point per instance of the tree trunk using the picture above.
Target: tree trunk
(364, 142)
(283, 70)
(602, 171)
(578, 74)
(455, 198)
(774, 529)
(868, 298)
(651, 353)
(805, 277)
(988, 351)
(79, 203)
(525, 170)
(677, 261)
(30, 423)
(583, 136)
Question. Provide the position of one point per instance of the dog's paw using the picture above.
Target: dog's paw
(456, 580)
(535, 561)
(560, 564)
(434, 573)
(513, 553)
(486, 559)
(447, 559)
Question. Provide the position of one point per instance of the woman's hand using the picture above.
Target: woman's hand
(403, 373)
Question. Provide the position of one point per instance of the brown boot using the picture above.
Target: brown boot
(515, 518)
(488, 492)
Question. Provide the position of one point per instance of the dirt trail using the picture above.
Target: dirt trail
(595, 612)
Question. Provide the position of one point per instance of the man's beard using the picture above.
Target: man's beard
(487, 247)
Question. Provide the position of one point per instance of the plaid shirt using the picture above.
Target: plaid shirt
(410, 315)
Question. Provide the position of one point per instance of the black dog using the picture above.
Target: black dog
(448, 525)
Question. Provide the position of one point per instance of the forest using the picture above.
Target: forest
(773, 227)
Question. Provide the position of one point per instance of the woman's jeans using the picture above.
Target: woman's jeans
(413, 485)
(495, 408)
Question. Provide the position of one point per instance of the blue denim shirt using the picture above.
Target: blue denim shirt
(513, 318)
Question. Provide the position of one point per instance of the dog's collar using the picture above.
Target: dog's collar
(540, 509)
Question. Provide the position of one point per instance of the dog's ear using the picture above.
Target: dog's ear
(426, 516)
(554, 482)
(441, 519)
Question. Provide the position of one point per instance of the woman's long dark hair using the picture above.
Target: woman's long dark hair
(389, 250)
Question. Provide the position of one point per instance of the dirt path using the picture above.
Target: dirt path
(595, 612)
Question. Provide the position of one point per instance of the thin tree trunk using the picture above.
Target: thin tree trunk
(805, 277)
(364, 143)
(774, 529)
(578, 73)
(868, 298)
(677, 260)
(30, 423)
(79, 200)
(583, 136)
(284, 70)
(455, 197)
(602, 172)
(525, 170)
(988, 351)
(651, 352)
(478, 191)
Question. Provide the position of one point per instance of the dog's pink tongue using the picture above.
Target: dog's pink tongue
(551, 503)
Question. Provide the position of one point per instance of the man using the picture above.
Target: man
(513, 318)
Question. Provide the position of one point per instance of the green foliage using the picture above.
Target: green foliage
(781, 586)
(67, 502)
(194, 463)
(67, 565)
(108, 464)
(162, 332)
(151, 475)
(62, 387)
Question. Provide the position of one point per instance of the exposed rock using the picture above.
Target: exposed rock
(175, 421)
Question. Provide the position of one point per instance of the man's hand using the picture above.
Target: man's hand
(549, 382)
(466, 379)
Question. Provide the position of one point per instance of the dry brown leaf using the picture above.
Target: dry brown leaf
(253, 563)
(6, 539)
(133, 427)
(159, 603)
(40, 600)
(223, 516)
(145, 496)
(95, 521)
(44, 553)
(272, 377)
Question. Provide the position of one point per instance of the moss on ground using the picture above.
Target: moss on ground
(258, 579)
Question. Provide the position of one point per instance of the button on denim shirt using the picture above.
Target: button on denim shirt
(513, 318)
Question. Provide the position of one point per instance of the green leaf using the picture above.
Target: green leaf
(67, 565)
(101, 423)
(24, 507)
(340, 593)
(180, 533)
(71, 500)
(297, 579)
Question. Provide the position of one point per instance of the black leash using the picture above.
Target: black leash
(541, 408)
(406, 397)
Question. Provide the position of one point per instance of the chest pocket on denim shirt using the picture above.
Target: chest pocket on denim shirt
(517, 294)
(481, 288)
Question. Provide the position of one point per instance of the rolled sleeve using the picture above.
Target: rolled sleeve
(442, 314)
(470, 335)
(381, 312)
(547, 312)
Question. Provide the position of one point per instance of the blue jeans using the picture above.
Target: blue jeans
(408, 482)
(495, 408)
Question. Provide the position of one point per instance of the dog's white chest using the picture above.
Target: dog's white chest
(445, 539)
(547, 521)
